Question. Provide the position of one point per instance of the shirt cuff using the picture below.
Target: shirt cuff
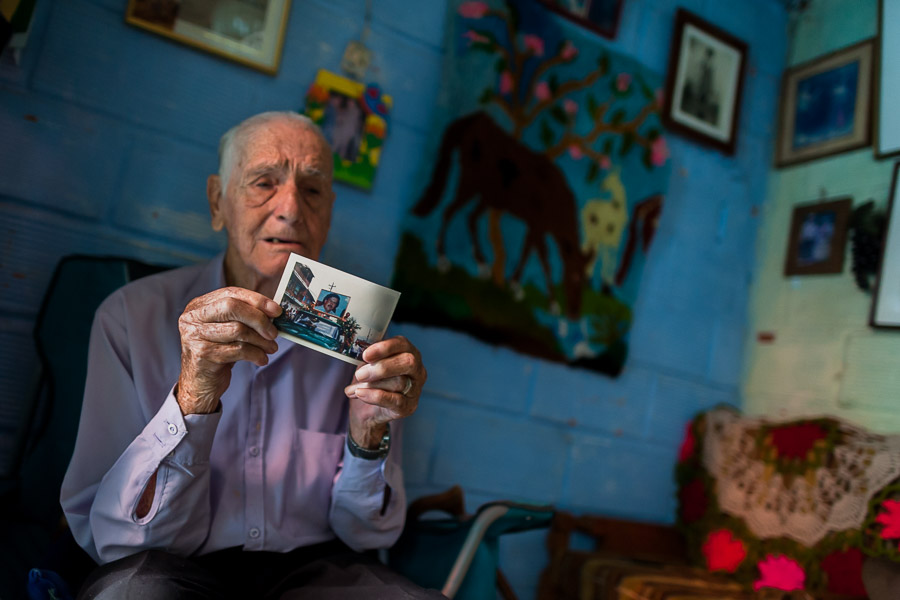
(185, 439)
(364, 475)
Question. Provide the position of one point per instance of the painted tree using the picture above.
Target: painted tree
(584, 117)
(349, 327)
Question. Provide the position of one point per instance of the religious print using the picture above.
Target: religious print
(330, 311)
(354, 119)
(541, 191)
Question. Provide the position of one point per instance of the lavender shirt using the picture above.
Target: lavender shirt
(269, 471)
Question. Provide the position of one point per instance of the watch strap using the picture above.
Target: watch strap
(369, 454)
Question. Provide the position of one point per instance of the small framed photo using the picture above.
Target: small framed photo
(354, 118)
(885, 311)
(825, 106)
(704, 82)
(250, 32)
(887, 130)
(330, 311)
(818, 237)
(600, 16)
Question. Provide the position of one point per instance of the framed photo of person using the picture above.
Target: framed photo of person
(250, 32)
(818, 237)
(825, 106)
(885, 311)
(354, 118)
(887, 129)
(704, 82)
(600, 16)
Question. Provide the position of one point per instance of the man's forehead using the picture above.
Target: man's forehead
(286, 145)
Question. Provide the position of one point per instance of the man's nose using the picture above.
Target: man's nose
(288, 205)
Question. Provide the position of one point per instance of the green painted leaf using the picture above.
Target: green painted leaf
(627, 143)
(608, 146)
(618, 116)
(553, 82)
(559, 115)
(486, 96)
(546, 134)
(593, 171)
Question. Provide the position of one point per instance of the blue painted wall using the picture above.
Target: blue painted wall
(107, 133)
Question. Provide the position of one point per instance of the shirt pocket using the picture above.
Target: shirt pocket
(315, 456)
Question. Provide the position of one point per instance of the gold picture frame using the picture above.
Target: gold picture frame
(250, 32)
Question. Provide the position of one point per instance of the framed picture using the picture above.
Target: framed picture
(704, 82)
(601, 16)
(887, 130)
(250, 32)
(818, 237)
(354, 118)
(825, 106)
(886, 297)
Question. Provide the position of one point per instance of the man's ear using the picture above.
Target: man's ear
(214, 195)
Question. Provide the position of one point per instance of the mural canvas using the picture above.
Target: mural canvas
(542, 190)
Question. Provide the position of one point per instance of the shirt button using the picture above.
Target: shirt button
(254, 451)
(173, 428)
(254, 533)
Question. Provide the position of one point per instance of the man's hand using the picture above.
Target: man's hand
(217, 330)
(376, 393)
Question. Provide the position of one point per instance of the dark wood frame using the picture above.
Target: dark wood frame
(859, 139)
(684, 18)
(888, 231)
(587, 23)
(835, 263)
(876, 95)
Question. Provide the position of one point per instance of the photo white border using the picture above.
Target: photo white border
(886, 299)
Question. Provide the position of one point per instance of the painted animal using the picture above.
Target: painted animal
(603, 221)
(497, 172)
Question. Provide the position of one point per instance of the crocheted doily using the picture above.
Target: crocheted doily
(805, 498)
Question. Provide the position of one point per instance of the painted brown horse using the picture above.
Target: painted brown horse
(497, 172)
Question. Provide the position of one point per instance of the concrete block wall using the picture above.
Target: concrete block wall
(108, 133)
(822, 357)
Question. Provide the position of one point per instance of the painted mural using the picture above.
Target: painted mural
(542, 190)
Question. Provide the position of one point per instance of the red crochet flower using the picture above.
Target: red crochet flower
(687, 446)
(844, 570)
(795, 441)
(693, 501)
(780, 572)
(890, 519)
(723, 552)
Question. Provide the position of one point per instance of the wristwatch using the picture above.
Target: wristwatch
(380, 452)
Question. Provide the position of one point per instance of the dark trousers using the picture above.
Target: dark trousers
(324, 571)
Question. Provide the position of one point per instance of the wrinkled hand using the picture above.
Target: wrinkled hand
(376, 393)
(217, 330)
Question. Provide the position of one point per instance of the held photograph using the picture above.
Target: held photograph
(331, 311)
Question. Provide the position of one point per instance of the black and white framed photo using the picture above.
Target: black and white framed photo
(886, 298)
(704, 82)
(331, 311)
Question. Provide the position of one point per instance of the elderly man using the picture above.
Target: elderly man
(213, 462)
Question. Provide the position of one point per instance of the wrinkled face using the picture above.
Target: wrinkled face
(330, 303)
(278, 201)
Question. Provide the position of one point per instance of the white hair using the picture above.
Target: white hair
(231, 146)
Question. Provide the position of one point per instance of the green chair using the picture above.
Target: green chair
(460, 554)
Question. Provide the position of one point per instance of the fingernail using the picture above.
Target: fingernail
(272, 332)
(363, 373)
(350, 390)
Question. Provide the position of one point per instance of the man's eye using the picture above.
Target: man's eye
(264, 184)
(313, 191)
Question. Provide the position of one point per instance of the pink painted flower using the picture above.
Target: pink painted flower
(723, 552)
(542, 91)
(534, 44)
(780, 572)
(604, 162)
(506, 82)
(575, 152)
(659, 152)
(476, 38)
(570, 106)
(473, 10)
(890, 519)
(623, 81)
(569, 51)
